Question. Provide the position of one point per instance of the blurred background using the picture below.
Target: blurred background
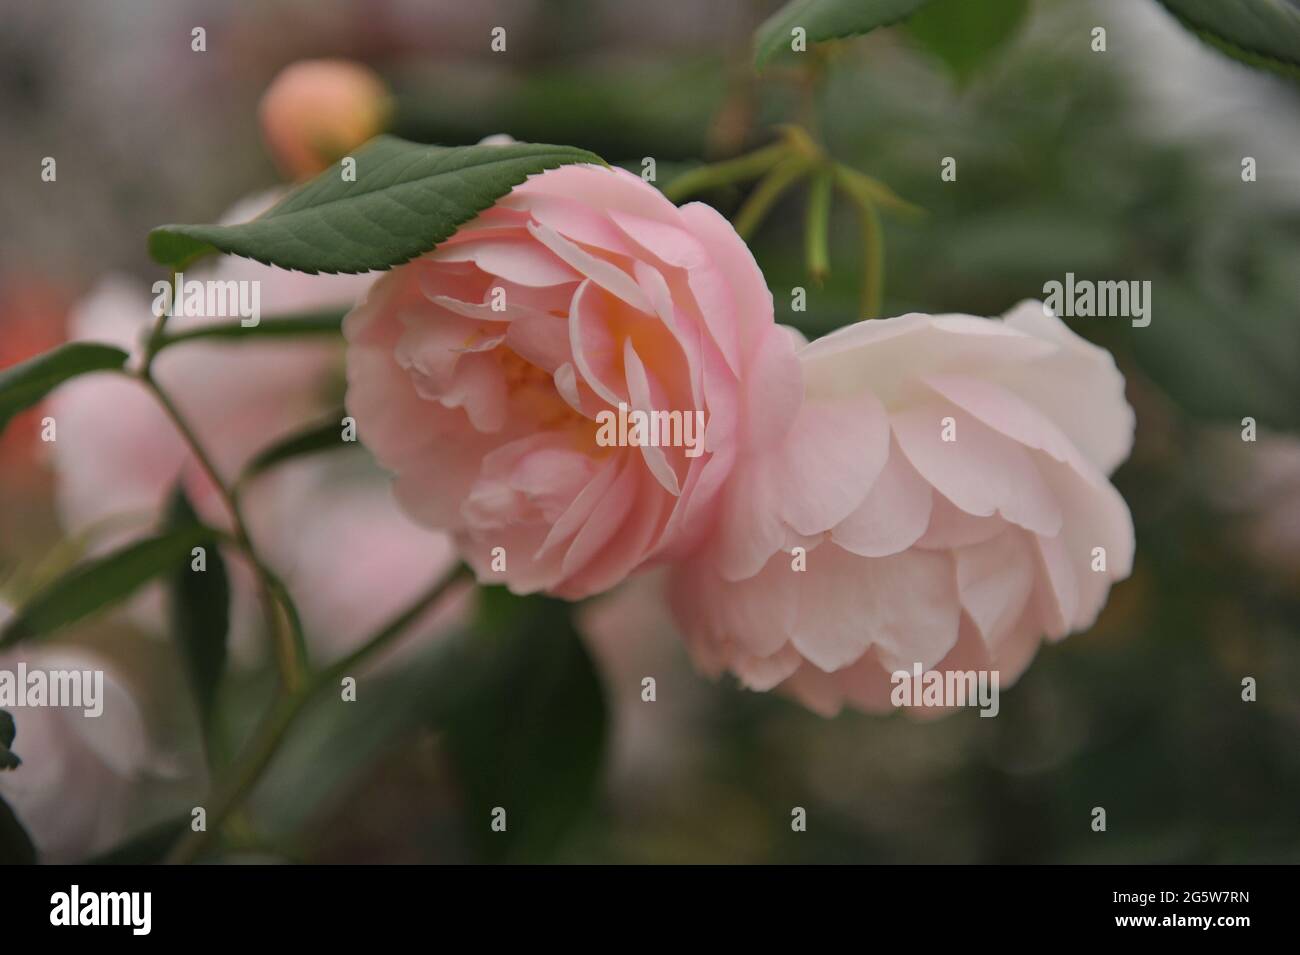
(1117, 165)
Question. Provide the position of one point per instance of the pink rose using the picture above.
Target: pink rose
(484, 374)
(947, 478)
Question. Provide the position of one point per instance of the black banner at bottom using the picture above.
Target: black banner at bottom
(336, 904)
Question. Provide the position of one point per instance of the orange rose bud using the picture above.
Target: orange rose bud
(317, 111)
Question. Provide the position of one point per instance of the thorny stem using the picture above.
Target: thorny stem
(286, 709)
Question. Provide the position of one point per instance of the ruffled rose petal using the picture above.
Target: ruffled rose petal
(958, 555)
(981, 471)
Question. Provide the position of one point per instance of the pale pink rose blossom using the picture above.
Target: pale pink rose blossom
(958, 554)
(73, 790)
(608, 295)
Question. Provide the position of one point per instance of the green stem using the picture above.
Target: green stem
(244, 773)
(390, 631)
(817, 227)
(768, 191)
(867, 189)
(152, 344)
(873, 250)
(286, 633)
(740, 169)
(313, 323)
(857, 187)
(284, 712)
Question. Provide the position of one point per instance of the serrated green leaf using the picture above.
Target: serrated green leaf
(1262, 33)
(826, 20)
(26, 383)
(98, 583)
(407, 198)
(8, 759)
(16, 846)
(963, 34)
(326, 436)
(199, 608)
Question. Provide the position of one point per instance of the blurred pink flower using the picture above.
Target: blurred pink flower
(947, 476)
(349, 556)
(316, 111)
(118, 457)
(629, 633)
(1259, 482)
(117, 452)
(480, 374)
(73, 790)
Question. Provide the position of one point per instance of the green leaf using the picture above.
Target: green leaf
(525, 723)
(96, 584)
(515, 701)
(286, 326)
(1262, 33)
(1225, 371)
(326, 436)
(826, 20)
(335, 745)
(964, 34)
(199, 609)
(26, 383)
(8, 759)
(407, 198)
(16, 846)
